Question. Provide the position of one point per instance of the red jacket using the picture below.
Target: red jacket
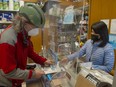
(13, 57)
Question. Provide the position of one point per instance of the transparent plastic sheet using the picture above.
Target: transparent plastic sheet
(59, 75)
(52, 77)
(47, 79)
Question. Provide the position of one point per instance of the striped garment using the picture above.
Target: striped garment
(101, 57)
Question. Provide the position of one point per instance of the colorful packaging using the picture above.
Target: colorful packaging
(16, 5)
(5, 4)
(6, 16)
(11, 5)
(1, 5)
(0, 26)
(10, 16)
(1, 16)
(4, 26)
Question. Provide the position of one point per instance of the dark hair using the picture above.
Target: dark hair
(101, 29)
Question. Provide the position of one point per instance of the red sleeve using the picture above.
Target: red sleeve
(30, 74)
(35, 57)
(7, 57)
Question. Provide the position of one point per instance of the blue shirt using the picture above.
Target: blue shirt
(101, 57)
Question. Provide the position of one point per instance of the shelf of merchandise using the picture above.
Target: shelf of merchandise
(9, 10)
(60, 33)
(7, 22)
(67, 3)
(63, 32)
(85, 7)
(31, 1)
(1, 30)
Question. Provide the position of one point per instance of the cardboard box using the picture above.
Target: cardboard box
(94, 78)
(83, 82)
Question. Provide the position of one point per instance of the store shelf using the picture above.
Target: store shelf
(31, 1)
(68, 32)
(9, 10)
(53, 25)
(60, 33)
(1, 30)
(8, 22)
(67, 3)
(64, 41)
(85, 7)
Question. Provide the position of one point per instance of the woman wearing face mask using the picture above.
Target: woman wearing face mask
(97, 49)
(15, 47)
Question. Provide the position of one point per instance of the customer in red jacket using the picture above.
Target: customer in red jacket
(15, 47)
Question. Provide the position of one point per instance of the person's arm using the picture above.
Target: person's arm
(108, 60)
(80, 53)
(8, 64)
(34, 56)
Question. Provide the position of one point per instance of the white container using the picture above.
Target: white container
(21, 2)
(11, 5)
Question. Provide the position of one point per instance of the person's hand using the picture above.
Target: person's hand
(49, 62)
(64, 60)
(39, 73)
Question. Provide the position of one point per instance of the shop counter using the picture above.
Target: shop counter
(71, 78)
(67, 80)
